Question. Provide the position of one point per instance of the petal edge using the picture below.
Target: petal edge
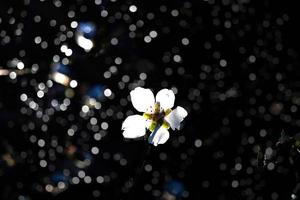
(159, 136)
(134, 126)
(166, 98)
(176, 117)
(142, 99)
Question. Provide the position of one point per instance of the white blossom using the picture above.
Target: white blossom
(158, 115)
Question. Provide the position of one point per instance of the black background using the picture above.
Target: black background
(229, 128)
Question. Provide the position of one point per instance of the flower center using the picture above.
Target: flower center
(157, 117)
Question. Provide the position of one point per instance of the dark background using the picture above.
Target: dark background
(237, 111)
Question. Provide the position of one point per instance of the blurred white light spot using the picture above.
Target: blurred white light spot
(269, 151)
(125, 78)
(114, 41)
(73, 84)
(238, 166)
(95, 150)
(41, 86)
(75, 180)
(223, 63)
(23, 97)
(104, 13)
(44, 45)
(133, 8)
(153, 34)
(56, 58)
(118, 60)
(74, 24)
(12, 75)
(147, 39)
(67, 102)
(65, 61)
(81, 174)
(271, 166)
(97, 136)
(100, 179)
(54, 103)
(198, 143)
(113, 69)
(87, 179)
(177, 58)
(185, 41)
(4, 72)
(60, 78)
(252, 59)
(85, 109)
(174, 13)
(143, 76)
(132, 27)
(98, 2)
(84, 43)
(63, 107)
(33, 105)
(63, 48)
(49, 188)
(175, 90)
(93, 121)
(61, 185)
(148, 168)
(71, 132)
(107, 74)
(40, 94)
(41, 142)
(49, 83)
(107, 92)
(263, 133)
(37, 39)
(104, 125)
(252, 77)
(20, 65)
(43, 163)
(235, 184)
(68, 52)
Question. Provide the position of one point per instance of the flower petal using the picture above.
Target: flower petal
(166, 98)
(134, 126)
(142, 99)
(148, 123)
(176, 117)
(159, 136)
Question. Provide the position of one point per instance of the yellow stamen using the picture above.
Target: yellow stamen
(157, 117)
(165, 125)
(152, 126)
(157, 108)
(147, 116)
(168, 111)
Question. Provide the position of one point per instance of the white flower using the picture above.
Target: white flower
(158, 116)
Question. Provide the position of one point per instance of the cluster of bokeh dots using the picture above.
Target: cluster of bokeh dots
(66, 71)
